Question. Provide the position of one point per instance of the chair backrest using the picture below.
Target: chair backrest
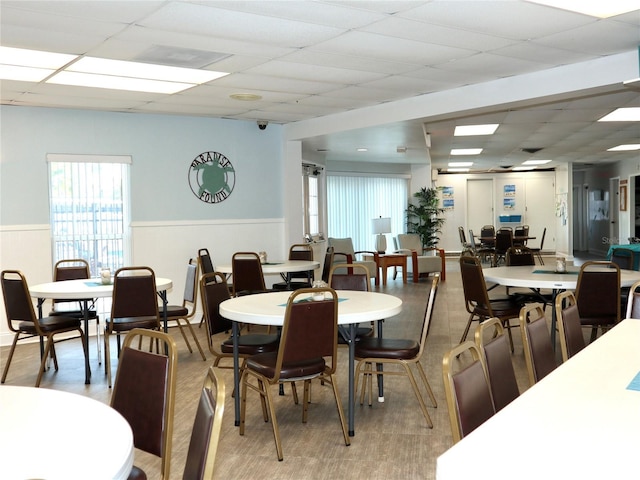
(488, 231)
(633, 302)
(473, 284)
(301, 251)
(344, 247)
(518, 256)
(203, 445)
(624, 258)
(504, 240)
(463, 237)
(538, 351)
(134, 293)
(310, 330)
(70, 269)
(214, 291)
(598, 291)
(204, 259)
(190, 296)
(144, 393)
(328, 261)
(428, 313)
(467, 390)
(569, 327)
(247, 273)
(410, 241)
(497, 355)
(544, 234)
(356, 278)
(17, 301)
(519, 231)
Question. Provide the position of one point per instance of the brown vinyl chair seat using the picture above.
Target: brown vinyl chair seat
(251, 344)
(265, 364)
(50, 324)
(354, 276)
(177, 311)
(391, 348)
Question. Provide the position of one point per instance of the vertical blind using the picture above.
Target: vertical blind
(353, 201)
(89, 211)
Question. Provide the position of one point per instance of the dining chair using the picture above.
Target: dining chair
(488, 236)
(75, 269)
(467, 389)
(214, 291)
(398, 352)
(477, 301)
(421, 262)
(521, 231)
(598, 295)
(144, 393)
(538, 250)
(504, 241)
(133, 305)
(633, 302)
(479, 248)
(23, 322)
(205, 434)
(187, 310)
(569, 327)
(205, 262)
(497, 357)
(247, 276)
(523, 256)
(536, 340)
(354, 277)
(295, 280)
(308, 350)
(328, 262)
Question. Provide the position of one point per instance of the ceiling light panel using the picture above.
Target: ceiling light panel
(536, 162)
(468, 130)
(628, 114)
(594, 8)
(460, 164)
(34, 58)
(117, 83)
(624, 148)
(466, 151)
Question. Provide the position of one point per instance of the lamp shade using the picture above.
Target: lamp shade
(381, 225)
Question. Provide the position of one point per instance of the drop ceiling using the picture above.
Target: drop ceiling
(319, 59)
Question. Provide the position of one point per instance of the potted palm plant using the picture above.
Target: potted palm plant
(424, 216)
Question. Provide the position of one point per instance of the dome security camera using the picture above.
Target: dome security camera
(262, 124)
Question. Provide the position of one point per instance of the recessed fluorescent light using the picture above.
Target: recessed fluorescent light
(245, 97)
(117, 83)
(629, 114)
(520, 169)
(362, 149)
(594, 8)
(459, 170)
(30, 65)
(466, 151)
(625, 148)
(460, 164)
(467, 130)
(536, 162)
(24, 74)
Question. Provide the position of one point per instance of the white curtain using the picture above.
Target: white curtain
(354, 200)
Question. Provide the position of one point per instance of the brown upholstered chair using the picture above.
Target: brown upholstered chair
(523, 256)
(488, 236)
(308, 350)
(144, 394)
(328, 261)
(598, 295)
(520, 231)
(247, 276)
(295, 280)
(633, 302)
(134, 305)
(354, 277)
(204, 261)
(75, 269)
(504, 241)
(214, 291)
(399, 352)
(538, 351)
(569, 327)
(186, 311)
(502, 376)
(467, 390)
(203, 445)
(477, 301)
(22, 320)
(537, 251)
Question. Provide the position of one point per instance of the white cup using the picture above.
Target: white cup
(105, 276)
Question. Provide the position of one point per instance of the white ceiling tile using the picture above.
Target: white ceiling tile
(304, 71)
(310, 56)
(588, 39)
(275, 84)
(543, 54)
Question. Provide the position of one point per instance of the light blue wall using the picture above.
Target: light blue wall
(162, 148)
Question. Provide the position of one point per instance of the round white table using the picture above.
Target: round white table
(269, 308)
(51, 434)
(278, 266)
(86, 290)
(537, 276)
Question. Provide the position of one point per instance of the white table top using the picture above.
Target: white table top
(51, 434)
(524, 277)
(89, 288)
(580, 421)
(269, 308)
(278, 266)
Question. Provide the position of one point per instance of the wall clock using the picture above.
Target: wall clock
(211, 177)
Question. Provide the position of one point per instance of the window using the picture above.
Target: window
(89, 202)
(311, 199)
(354, 200)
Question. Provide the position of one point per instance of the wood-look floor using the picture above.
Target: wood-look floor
(392, 440)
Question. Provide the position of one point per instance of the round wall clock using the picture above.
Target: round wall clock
(211, 177)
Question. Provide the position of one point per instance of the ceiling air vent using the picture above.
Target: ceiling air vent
(531, 150)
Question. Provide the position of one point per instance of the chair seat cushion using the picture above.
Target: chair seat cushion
(391, 348)
(426, 264)
(175, 311)
(501, 308)
(51, 324)
(137, 474)
(265, 363)
(129, 323)
(252, 344)
(92, 314)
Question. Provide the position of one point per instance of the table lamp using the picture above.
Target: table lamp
(380, 226)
